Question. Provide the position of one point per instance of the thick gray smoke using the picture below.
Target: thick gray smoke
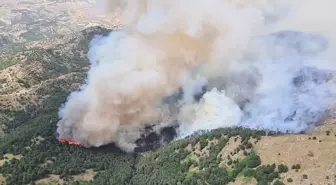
(201, 65)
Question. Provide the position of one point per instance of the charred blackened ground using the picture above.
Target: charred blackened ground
(152, 140)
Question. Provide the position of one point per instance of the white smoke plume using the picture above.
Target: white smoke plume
(281, 81)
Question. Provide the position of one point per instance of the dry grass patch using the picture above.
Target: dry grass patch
(197, 152)
(52, 179)
(2, 180)
(87, 176)
(55, 179)
(244, 181)
(315, 152)
(8, 157)
(229, 150)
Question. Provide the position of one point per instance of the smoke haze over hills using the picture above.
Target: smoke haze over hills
(198, 65)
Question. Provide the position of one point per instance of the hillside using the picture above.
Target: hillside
(37, 80)
(23, 22)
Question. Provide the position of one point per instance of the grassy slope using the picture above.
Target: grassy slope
(40, 82)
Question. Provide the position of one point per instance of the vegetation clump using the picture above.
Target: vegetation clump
(173, 163)
(277, 182)
(296, 167)
(282, 168)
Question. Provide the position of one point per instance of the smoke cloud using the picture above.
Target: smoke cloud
(200, 65)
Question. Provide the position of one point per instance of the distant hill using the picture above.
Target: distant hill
(36, 80)
(24, 21)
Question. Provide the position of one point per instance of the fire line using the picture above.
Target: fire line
(68, 141)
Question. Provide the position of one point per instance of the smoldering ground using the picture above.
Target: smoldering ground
(182, 66)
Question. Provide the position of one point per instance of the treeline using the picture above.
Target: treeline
(174, 165)
(52, 157)
(168, 165)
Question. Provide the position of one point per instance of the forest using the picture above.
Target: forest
(172, 164)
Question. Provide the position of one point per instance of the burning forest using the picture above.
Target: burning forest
(67, 141)
(178, 67)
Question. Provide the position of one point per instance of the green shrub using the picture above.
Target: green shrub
(249, 172)
(282, 168)
(249, 145)
(254, 161)
(203, 143)
(266, 173)
(263, 182)
(296, 166)
(272, 176)
(277, 182)
(290, 180)
(81, 183)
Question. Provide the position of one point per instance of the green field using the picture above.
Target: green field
(7, 63)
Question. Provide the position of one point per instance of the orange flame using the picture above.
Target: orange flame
(68, 141)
